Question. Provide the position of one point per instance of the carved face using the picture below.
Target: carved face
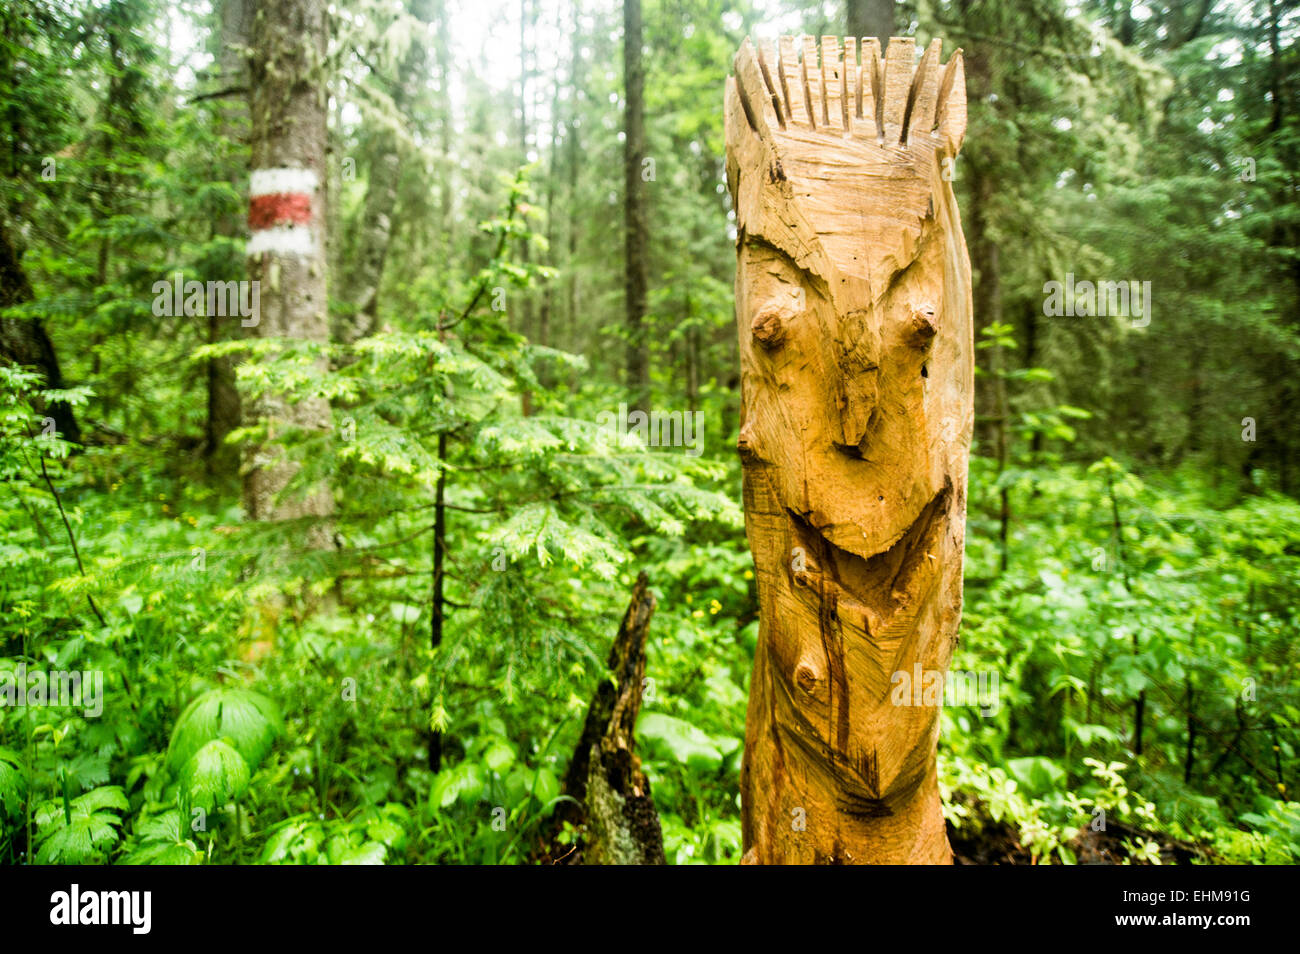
(852, 297)
(849, 247)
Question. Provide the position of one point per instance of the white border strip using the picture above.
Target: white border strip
(274, 181)
(282, 240)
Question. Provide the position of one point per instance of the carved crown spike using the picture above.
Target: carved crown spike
(845, 87)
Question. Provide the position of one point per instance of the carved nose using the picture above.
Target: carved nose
(748, 445)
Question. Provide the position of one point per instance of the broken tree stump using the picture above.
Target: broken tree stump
(611, 803)
(853, 299)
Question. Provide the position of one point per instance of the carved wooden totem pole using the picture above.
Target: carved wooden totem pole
(854, 304)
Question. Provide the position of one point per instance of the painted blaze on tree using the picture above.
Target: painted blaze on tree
(854, 310)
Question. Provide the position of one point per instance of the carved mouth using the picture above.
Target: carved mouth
(880, 580)
(882, 594)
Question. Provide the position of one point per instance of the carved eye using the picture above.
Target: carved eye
(769, 328)
(921, 328)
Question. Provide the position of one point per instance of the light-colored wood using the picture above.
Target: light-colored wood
(767, 61)
(900, 66)
(854, 309)
(871, 81)
(812, 84)
(951, 111)
(833, 82)
(791, 82)
(852, 85)
(925, 87)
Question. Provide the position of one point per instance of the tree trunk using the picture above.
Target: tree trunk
(692, 356)
(379, 213)
(572, 160)
(232, 125)
(1121, 558)
(613, 805)
(525, 326)
(447, 185)
(25, 342)
(870, 18)
(986, 261)
(286, 251)
(438, 600)
(546, 314)
(985, 258)
(854, 309)
(634, 213)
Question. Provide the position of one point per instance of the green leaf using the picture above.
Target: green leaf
(13, 783)
(162, 843)
(386, 832)
(369, 853)
(683, 741)
(85, 833)
(1037, 774)
(162, 853)
(296, 842)
(546, 787)
(462, 781)
(215, 775)
(249, 720)
(499, 756)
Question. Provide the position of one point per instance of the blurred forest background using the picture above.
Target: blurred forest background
(527, 227)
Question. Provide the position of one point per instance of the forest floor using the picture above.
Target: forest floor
(998, 843)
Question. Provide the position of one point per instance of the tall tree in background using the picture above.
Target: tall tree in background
(24, 341)
(867, 18)
(527, 22)
(380, 211)
(31, 124)
(232, 125)
(286, 250)
(634, 213)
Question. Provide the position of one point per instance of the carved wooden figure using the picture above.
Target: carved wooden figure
(854, 306)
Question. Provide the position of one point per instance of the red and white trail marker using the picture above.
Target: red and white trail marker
(280, 211)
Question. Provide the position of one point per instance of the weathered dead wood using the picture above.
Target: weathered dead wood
(854, 308)
(612, 805)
